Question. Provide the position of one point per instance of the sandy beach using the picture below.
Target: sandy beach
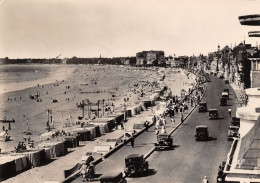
(85, 82)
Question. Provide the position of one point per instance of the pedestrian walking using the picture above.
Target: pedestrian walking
(132, 142)
(205, 180)
(173, 122)
(229, 111)
(146, 125)
(154, 119)
(182, 118)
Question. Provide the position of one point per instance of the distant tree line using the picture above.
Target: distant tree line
(29, 61)
(73, 60)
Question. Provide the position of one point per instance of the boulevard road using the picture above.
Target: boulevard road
(191, 160)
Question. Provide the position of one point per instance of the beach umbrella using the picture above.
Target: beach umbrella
(254, 34)
(251, 20)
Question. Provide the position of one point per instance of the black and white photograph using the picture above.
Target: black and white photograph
(137, 91)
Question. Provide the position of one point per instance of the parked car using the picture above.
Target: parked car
(233, 132)
(226, 81)
(213, 114)
(223, 101)
(221, 77)
(225, 95)
(135, 165)
(164, 141)
(113, 177)
(226, 90)
(203, 107)
(202, 132)
(235, 121)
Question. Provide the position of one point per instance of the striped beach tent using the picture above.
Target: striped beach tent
(254, 34)
(252, 20)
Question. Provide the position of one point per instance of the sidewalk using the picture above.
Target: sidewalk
(239, 91)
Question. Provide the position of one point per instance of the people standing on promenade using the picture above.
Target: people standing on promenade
(191, 101)
(205, 180)
(132, 141)
(229, 111)
(173, 122)
(146, 125)
(163, 130)
(154, 119)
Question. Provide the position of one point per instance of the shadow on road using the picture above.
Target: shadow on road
(149, 172)
(175, 146)
(211, 139)
(220, 118)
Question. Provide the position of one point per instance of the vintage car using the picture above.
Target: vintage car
(233, 132)
(112, 177)
(203, 107)
(226, 81)
(213, 114)
(135, 165)
(202, 132)
(164, 141)
(225, 95)
(221, 77)
(226, 90)
(223, 101)
(235, 121)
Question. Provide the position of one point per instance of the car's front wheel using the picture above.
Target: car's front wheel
(131, 170)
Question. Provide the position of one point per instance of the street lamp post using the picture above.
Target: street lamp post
(124, 121)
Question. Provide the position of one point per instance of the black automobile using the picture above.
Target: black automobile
(226, 81)
(213, 114)
(202, 132)
(225, 95)
(112, 177)
(235, 121)
(221, 77)
(223, 101)
(203, 107)
(233, 132)
(164, 141)
(135, 165)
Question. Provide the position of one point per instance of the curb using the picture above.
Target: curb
(149, 153)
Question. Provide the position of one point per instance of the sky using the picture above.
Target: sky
(114, 28)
